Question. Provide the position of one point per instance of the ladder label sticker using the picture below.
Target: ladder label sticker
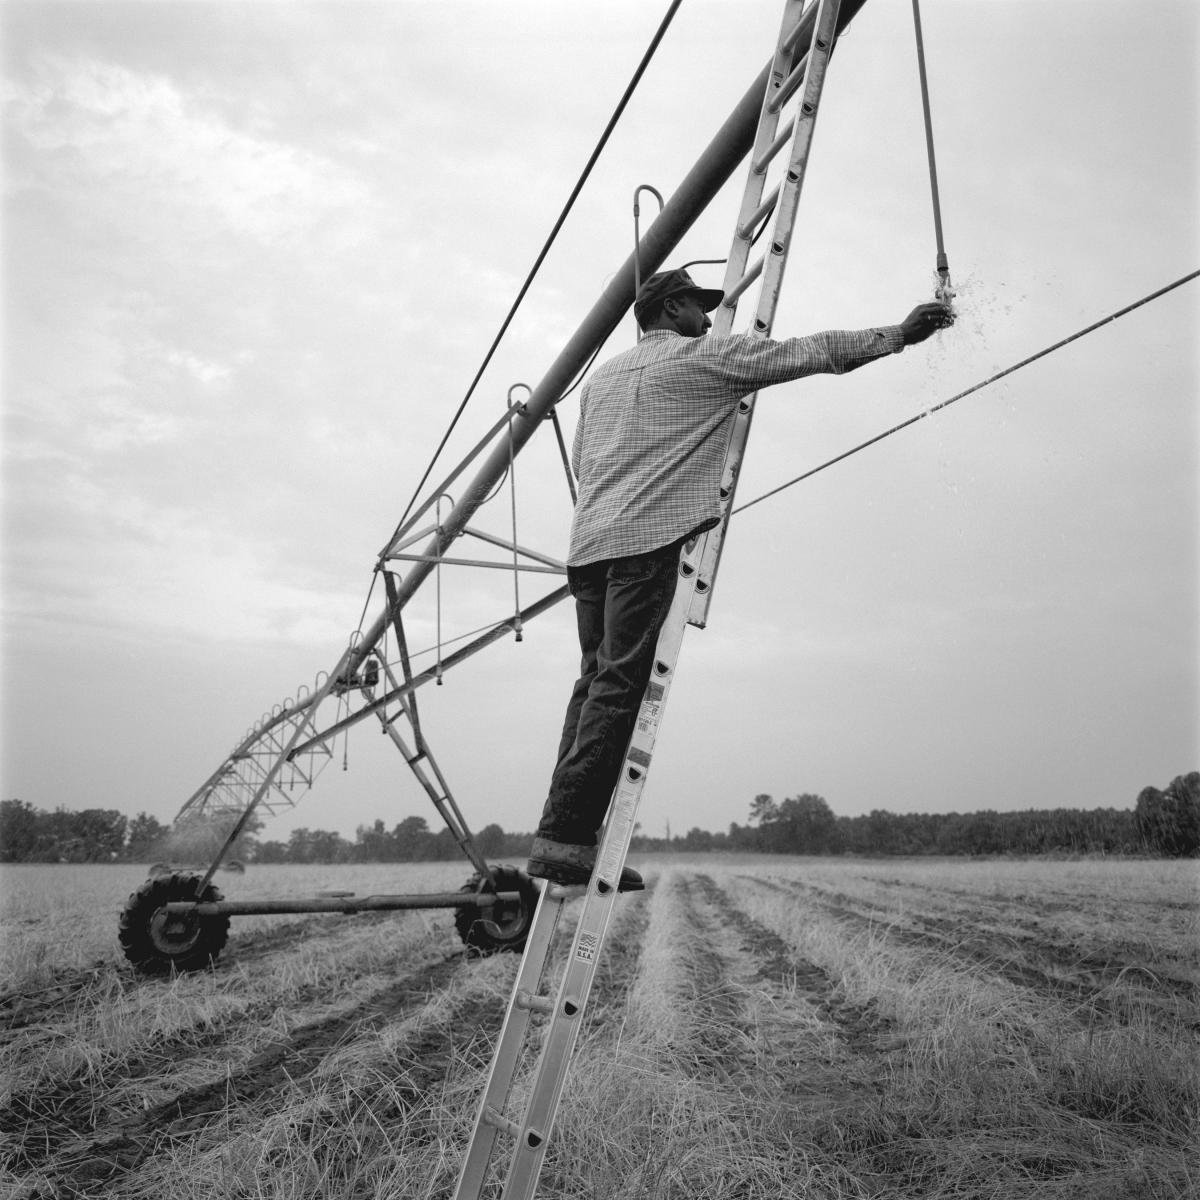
(586, 950)
(651, 707)
(638, 756)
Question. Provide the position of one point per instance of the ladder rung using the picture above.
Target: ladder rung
(747, 229)
(565, 891)
(533, 1002)
(788, 44)
(783, 139)
(787, 89)
(742, 284)
(500, 1121)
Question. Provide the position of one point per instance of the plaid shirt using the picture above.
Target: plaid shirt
(654, 424)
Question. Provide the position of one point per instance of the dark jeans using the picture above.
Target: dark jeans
(620, 606)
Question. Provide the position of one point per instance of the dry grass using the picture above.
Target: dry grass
(763, 1029)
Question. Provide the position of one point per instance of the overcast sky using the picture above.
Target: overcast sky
(255, 252)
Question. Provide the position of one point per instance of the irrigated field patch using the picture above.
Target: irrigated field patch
(759, 1029)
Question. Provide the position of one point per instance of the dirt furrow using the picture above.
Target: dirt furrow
(55, 1139)
(72, 1100)
(20, 1009)
(1031, 962)
(859, 1026)
(1047, 923)
(34, 1012)
(618, 965)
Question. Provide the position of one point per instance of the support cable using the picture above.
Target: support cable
(587, 170)
(977, 387)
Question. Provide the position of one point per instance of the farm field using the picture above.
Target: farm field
(759, 1028)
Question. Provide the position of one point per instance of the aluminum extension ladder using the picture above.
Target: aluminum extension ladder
(530, 1133)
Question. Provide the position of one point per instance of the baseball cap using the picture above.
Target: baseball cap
(673, 283)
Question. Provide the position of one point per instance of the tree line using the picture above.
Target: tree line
(93, 835)
(1162, 822)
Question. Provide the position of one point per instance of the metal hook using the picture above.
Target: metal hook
(637, 240)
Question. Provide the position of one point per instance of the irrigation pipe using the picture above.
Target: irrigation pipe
(977, 387)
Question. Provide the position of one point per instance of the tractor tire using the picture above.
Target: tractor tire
(499, 927)
(157, 943)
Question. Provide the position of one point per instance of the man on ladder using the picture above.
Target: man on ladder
(654, 424)
(658, 447)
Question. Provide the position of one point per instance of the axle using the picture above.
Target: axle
(338, 904)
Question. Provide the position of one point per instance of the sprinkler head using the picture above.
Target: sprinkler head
(943, 291)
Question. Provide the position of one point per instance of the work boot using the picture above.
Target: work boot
(571, 865)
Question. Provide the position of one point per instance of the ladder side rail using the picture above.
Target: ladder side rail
(563, 1031)
(534, 1129)
(521, 1007)
(774, 263)
(560, 1037)
(764, 136)
(768, 144)
(815, 71)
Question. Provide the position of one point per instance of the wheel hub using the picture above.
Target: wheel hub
(172, 934)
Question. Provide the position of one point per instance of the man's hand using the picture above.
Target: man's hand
(925, 320)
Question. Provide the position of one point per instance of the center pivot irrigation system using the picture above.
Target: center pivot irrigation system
(178, 919)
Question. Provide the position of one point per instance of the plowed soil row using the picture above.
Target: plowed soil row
(121, 1146)
(64, 1134)
(1028, 959)
(860, 1027)
(618, 966)
(59, 1011)
(66, 1141)
(41, 1007)
(743, 1037)
(1145, 931)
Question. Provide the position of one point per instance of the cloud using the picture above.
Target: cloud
(147, 146)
